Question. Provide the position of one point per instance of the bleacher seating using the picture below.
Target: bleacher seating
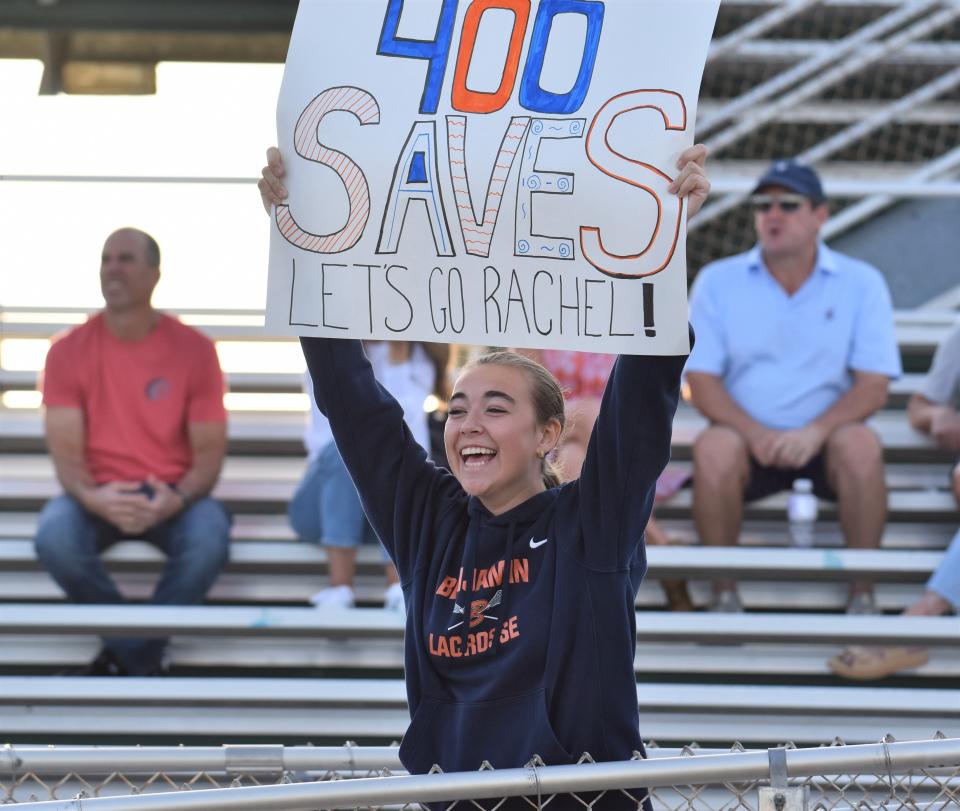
(255, 664)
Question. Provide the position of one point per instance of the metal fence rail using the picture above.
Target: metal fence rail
(886, 775)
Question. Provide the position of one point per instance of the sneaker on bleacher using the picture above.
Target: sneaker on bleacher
(103, 664)
(334, 597)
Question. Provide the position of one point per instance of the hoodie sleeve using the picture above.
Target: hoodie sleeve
(399, 486)
(628, 450)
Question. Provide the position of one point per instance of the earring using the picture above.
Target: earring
(540, 455)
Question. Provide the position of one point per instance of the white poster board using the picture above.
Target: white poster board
(487, 171)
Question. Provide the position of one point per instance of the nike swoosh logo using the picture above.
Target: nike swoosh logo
(534, 544)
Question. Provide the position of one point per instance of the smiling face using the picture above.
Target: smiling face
(788, 234)
(127, 276)
(493, 439)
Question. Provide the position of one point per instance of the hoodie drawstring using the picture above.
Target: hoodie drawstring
(505, 585)
(470, 568)
(470, 562)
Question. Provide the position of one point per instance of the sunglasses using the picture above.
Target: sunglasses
(788, 203)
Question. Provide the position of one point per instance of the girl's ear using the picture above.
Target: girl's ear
(549, 437)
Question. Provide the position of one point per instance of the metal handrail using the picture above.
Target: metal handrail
(841, 188)
(225, 759)
(534, 781)
(912, 189)
(228, 758)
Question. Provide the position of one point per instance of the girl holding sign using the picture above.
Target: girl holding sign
(520, 634)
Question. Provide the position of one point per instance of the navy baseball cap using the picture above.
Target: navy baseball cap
(796, 176)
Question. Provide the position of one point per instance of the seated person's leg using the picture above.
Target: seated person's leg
(943, 587)
(674, 589)
(865, 663)
(303, 512)
(393, 599)
(337, 523)
(854, 467)
(69, 542)
(197, 545)
(721, 471)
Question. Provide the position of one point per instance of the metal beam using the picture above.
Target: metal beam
(854, 61)
(170, 15)
(816, 64)
(150, 46)
(945, 165)
(757, 26)
(841, 139)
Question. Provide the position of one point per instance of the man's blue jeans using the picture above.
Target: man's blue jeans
(196, 542)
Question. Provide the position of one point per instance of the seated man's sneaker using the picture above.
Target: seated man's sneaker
(393, 599)
(334, 597)
(104, 664)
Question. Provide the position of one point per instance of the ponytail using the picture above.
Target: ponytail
(551, 473)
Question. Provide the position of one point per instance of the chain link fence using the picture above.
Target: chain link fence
(888, 776)
(815, 79)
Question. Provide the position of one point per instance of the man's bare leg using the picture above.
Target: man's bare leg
(854, 461)
(720, 470)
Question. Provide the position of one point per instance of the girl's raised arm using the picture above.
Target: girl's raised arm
(629, 448)
(400, 488)
(630, 444)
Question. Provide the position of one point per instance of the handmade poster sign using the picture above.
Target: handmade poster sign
(487, 171)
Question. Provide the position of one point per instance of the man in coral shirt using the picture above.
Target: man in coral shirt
(136, 428)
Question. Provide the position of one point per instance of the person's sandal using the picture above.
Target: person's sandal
(866, 664)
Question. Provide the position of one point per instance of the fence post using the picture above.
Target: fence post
(778, 796)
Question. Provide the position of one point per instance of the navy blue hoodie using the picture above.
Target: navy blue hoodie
(521, 627)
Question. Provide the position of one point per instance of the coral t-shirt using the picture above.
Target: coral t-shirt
(137, 397)
(580, 374)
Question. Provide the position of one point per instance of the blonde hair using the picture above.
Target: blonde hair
(547, 397)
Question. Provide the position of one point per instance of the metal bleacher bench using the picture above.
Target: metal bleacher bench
(373, 623)
(259, 433)
(332, 710)
(255, 622)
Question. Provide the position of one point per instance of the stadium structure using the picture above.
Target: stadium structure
(263, 692)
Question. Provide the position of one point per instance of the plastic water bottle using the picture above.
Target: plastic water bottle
(802, 513)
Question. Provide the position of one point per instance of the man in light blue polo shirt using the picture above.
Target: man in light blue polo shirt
(795, 349)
